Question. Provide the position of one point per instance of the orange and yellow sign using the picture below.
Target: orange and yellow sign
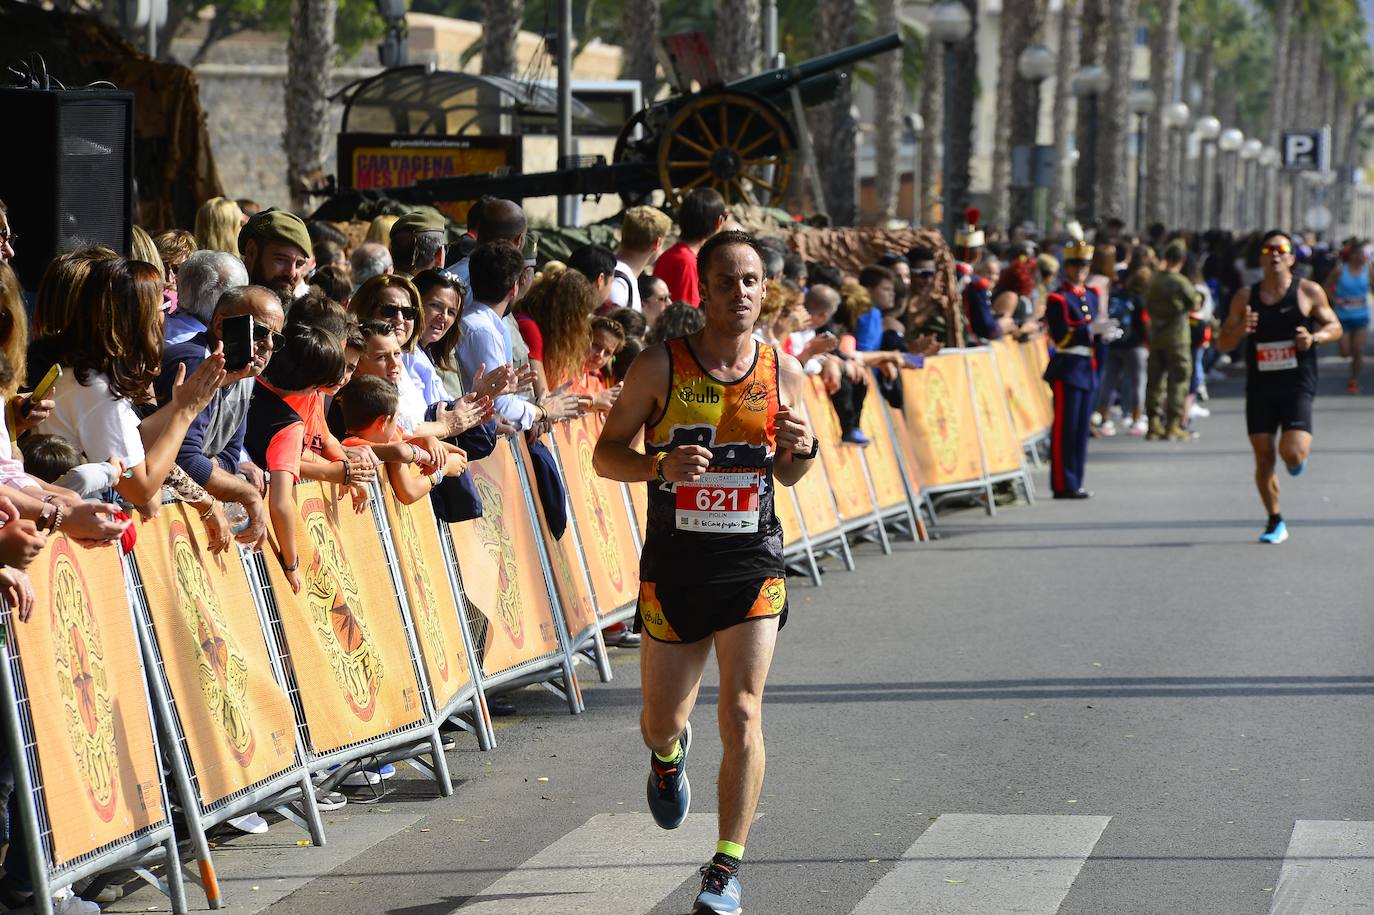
(881, 456)
(498, 559)
(237, 719)
(381, 161)
(83, 674)
(344, 629)
(603, 522)
(940, 419)
(842, 463)
(433, 614)
(569, 575)
(1001, 446)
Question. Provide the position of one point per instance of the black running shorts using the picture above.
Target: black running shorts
(1267, 414)
(692, 613)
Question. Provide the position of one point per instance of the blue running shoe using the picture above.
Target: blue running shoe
(670, 794)
(1295, 471)
(1277, 534)
(720, 892)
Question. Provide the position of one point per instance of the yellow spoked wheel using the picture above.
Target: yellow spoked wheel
(734, 142)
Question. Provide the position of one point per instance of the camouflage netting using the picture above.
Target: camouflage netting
(852, 249)
(173, 164)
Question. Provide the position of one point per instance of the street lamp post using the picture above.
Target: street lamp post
(1229, 143)
(1035, 64)
(1089, 83)
(1141, 103)
(1245, 210)
(1268, 160)
(915, 128)
(1175, 122)
(1208, 129)
(950, 23)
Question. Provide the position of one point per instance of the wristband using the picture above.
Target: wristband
(57, 518)
(293, 567)
(348, 474)
(658, 466)
(436, 477)
(205, 515)
(45, 518)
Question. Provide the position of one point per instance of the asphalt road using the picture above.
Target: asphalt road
(1142, 700)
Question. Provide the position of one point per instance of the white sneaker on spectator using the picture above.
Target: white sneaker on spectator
(1140, 427)
(251, 823)
(1096, 419)
(65, 902)
(1198, 412)
(1107, 429)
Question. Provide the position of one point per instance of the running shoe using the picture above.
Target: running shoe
(670, 794)
(1352, 387)
(720, 892)
(1276, 533)
(1196, 412)
(1139, 427)
(1297, 471)
(1107, 429)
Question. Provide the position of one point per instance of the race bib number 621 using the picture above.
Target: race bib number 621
(721, 503)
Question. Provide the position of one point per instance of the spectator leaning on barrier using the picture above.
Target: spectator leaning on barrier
(702, 215)
(201, 281)
(369, 259)
(210, 453)
(641, 238)
(607, 338)
(495, 269)
(277, 250)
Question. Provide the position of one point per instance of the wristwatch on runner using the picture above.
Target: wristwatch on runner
(810, 455)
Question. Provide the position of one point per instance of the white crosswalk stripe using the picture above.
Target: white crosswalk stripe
(980, 864)
(1329, 867)
(612, 863)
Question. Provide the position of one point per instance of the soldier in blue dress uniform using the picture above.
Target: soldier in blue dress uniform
(1070, 313)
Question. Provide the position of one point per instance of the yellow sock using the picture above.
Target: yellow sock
(733, 849)
(674, 755)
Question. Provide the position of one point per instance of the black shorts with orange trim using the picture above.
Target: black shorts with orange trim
(692, 613)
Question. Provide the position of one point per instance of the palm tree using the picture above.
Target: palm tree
(1064, 104)
(932, 149)
(1114, 122)
(500, 29)
(832, 125)
(889, 103)
(1163, 51)
(640, 24)
(1087, 129)
(1282, 17)
(1027, 21)
(960, 119)
(309, 66)
(738, 42)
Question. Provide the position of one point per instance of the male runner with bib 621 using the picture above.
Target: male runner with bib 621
(716, 411)
(1281, 319)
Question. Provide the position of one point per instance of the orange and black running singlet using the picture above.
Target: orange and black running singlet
(722, 527)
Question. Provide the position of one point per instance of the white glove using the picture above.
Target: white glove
(1108, 329)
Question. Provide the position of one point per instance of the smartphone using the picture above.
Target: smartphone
(237, 334)
(44, 387)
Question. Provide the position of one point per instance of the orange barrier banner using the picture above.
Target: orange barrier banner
(502, 573)
(1035, 356)
(842, 462)
(435, 616)
(816, 503)
(881, 456)
(907, 446)
(344, 630)
(1001, 446)
(785, 507)
(940, 420)
(83, 673)
(1025, 412)
(238, 721)
(603, 522)
(569, 578)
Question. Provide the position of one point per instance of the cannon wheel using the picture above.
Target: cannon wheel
(734, 142)
(629, 148)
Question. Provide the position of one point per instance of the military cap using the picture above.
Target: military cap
(419, 221)
(273, 225)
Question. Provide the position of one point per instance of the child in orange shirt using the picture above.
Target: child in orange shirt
(606, 340)
(369, 405)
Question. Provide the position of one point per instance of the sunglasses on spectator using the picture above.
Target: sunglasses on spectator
(264, 334)
(929, 271)
(405, 312)
(1281, 248)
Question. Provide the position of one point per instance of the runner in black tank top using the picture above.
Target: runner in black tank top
(1281, 319)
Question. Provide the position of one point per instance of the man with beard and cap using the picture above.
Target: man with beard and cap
(277, 251)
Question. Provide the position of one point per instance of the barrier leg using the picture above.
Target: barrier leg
(176, 887)
(600, 658)
(481, 720)
(441, 774)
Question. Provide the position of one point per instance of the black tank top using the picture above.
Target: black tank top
(1273, 364)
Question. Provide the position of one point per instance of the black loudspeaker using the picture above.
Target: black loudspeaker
(68, 176)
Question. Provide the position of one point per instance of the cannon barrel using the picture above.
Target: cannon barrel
(774, 82)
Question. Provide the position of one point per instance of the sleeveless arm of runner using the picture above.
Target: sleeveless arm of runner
(1326, 327)
(645, 382)
(788, 468)
(1233, 328)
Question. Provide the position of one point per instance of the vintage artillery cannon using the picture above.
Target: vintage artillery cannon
(733, 137)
